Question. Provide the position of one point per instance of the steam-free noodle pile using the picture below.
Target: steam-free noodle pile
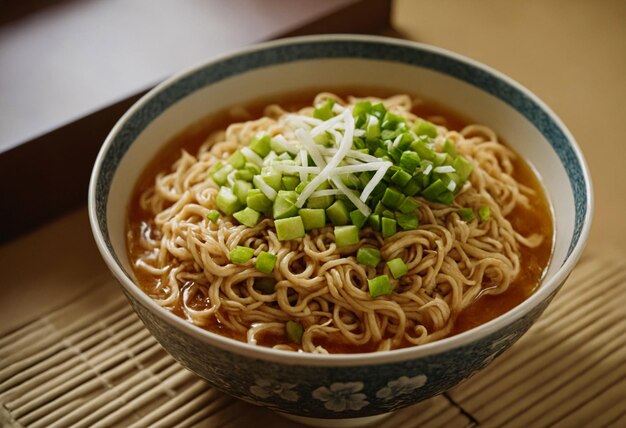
(450, 261)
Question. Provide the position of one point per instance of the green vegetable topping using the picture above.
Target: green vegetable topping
(397, 268)
(294, 331)
(423, 127)
(346, 236)
(213, 215)
(325, 111)
(265, 262)
(392, 198)
(368, 256)
(285, 204)
(258, 201)
(345, 166)
(247, 216)
(237, 160)
(408, 205)
(289, 228)
(358, 218)
(380, 286)
(408, 221)
(338, 213)
(260, 144)
(388, 227)
(466, 214)
(313, 218)
(241, 254)
(227, 202)
(484, 213)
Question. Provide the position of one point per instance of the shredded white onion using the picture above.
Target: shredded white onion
(377, 178)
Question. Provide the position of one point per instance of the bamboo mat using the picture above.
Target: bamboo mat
(92, 363)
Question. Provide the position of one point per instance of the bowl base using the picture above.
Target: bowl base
(338, 423)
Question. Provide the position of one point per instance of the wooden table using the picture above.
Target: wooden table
(569, 370)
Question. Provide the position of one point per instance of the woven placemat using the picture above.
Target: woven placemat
(92, 363)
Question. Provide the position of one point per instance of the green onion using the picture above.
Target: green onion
(450, 148)
(313, 218)
(213, 215)
(413, 187)
(388, 227)
(260, 144)
(445, 198)
(423, 127)
(285, 205)
(358, 218)
(408, 205)
(397, 268)
(221, 175)
(294, 331)
(392, 198)
(467, 214)
(368, 256)
(372, 128)
(409, 161)
(247, 217)
(388, 214)
(325, 111)
(258, 201)
(346, 236)
(290, 183)
(273, 178)
(463, 167)
(380, 286)
(289, 228)
(241, 189)
(392, 121)
(237, 160)
(243, 174)
(408, 221)
(484, 213)
(434, 190)
(227, 202)
(265, 262)
(338, 213)
(240, 254)
(401, 177)
(374, 221)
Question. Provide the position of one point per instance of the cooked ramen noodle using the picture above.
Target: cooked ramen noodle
(348, 225)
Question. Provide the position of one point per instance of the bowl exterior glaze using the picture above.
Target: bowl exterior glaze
(322, 386)
(333, 391)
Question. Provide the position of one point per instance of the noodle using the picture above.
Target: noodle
(450, 262)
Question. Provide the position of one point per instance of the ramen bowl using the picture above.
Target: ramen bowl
(315, 387)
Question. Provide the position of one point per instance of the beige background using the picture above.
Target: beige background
(571, 53)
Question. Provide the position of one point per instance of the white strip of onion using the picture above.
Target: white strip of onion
(304, 161)
(352, 195)
(287, 146)
(307, 142)
(264, 187)
(326, 192)
(344, 147)
(252, 156)
(295, 168)
(377, 178)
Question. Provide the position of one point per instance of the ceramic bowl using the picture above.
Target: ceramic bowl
(340, 386)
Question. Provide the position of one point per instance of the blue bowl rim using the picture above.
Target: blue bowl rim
(268, 354)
